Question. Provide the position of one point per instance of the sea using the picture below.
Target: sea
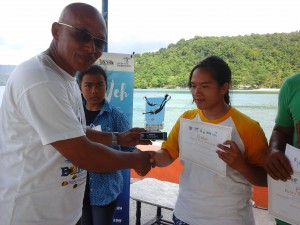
(259, 104)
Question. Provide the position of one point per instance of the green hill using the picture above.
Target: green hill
(256, 60)
(260, 61)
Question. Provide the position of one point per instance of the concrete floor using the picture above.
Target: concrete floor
(262, 217)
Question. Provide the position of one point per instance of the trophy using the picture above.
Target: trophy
(154, 118)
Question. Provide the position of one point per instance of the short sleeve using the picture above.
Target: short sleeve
(256, 144)
(284, 117)
(48, 109)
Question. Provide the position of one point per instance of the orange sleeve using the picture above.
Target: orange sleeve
(256, 145)
(171, 145)
(254, 139)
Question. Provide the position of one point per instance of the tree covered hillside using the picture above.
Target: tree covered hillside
(256, 60)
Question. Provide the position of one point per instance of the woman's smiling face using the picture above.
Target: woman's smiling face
(206, 91)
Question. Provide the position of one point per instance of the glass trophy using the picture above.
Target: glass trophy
(154, 118)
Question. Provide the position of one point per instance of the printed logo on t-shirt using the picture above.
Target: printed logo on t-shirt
(72, 175)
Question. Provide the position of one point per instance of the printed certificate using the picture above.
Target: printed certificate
(284, 197)
(198, 144)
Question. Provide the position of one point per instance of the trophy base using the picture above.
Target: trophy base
(154, 135)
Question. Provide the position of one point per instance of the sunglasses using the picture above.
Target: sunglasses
(83, 36)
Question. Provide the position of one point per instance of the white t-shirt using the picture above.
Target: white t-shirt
(207, 198)
(232, 192)
(41, 105)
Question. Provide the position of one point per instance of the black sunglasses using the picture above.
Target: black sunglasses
(83, 36)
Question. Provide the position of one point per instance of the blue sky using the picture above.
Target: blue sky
(144, 25)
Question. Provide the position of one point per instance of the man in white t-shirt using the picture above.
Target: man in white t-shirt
(44, 145)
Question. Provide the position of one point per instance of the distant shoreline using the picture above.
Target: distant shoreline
(254, 90)
(271, 90)
(258, 90)
(234, 89)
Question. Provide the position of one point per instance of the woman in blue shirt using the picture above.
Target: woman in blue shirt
(102, 189)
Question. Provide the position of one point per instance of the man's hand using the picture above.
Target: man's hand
(153, 156)
(142, 163)
(278, 166)
(132, 137)
(160, 158)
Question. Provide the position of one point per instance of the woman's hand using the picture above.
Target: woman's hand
(231, 155)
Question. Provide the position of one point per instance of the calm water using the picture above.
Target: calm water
(260, 105)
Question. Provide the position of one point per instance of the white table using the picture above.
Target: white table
(162, 194)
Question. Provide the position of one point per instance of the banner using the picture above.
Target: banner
(120, 86)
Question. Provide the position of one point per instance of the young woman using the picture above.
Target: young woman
(205, 197)
(102, 189)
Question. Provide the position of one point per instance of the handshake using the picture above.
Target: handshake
(144, 161)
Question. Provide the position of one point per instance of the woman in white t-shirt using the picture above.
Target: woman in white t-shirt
(205, 197)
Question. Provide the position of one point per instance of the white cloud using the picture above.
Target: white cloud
(144, 25)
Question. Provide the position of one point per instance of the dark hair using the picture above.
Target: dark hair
(94, 69)
(219, 70)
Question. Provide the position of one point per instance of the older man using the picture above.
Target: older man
(44, 145)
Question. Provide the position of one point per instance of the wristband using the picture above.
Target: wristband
(114, 139)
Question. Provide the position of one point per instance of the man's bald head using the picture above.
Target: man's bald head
(73, 46)
(78, 11)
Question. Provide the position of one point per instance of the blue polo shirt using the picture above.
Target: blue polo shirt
(105, 187)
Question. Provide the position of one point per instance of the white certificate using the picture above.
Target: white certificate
(284, 197)
(198, 144)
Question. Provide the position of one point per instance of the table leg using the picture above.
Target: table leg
(158, 212)
(138, 213)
